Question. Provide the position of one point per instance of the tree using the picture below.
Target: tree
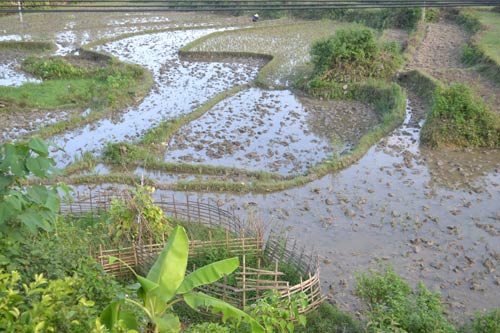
(24, 208)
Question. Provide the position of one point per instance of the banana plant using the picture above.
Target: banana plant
(166, 284)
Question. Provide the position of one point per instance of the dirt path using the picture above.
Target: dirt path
(439, 56)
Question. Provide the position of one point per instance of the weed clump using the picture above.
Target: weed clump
(394, 307)
(487, 323)
(52, 68)
(352, 55)
(460, 119)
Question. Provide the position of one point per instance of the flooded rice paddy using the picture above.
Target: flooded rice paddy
(180, 87)
(268, 130)
(434, 216)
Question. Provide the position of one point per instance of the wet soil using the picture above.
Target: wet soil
(10, 73)
(271, 131)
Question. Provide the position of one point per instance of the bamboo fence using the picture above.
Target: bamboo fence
(248, 284)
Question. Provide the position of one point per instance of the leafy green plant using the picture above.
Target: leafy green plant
(166, 285)
(24, 209)
(44, 305)
(458, 118)
(278, 314)
(486, 323)
(470, 55)
(469, 22)
(394, 307)
(352, 54)
(137, 218)
(52, 68)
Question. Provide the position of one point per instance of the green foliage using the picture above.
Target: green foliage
(103, 85)
(52, 68)
(26, 46)
(137, 218)
(328, 319)
(278, 314)
(353, 54)
(165, 285)
(394, 307)
(44, 305)
(122, 153)
(470, 55)
(432, 14)
(398, 18)
(403, 18)
(207, 328)
(487, 323)
(460, 119)
(24, 209)
(469, 22)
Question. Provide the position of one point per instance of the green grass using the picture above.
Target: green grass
(26, 46)
(103, 90)
(487, 41)
(47, 95)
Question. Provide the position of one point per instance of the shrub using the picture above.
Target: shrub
(53, 68)
(352, 54)
(398, 18)
(394, 307)
(469, 22)
(470, 55)
(460, 119)
(137, 217)
(432, 14)
(487, 323)
(403, 18)
(277, 314)
(44, 305)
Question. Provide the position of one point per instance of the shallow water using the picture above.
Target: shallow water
(254, 130)
(12, 77)
(180, 87)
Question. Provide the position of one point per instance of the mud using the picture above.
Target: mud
(271, 131)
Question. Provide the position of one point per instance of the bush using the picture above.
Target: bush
(53, 68)
(403, 18)
(432, 14)
(352, 54)
(460, 119)
(397, 18)
(469, 22)
(44, 305)
(470, 55)
(394, 307)
(487, 323)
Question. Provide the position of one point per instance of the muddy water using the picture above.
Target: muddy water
(11, 76)
(263, 130)
(180, 87)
